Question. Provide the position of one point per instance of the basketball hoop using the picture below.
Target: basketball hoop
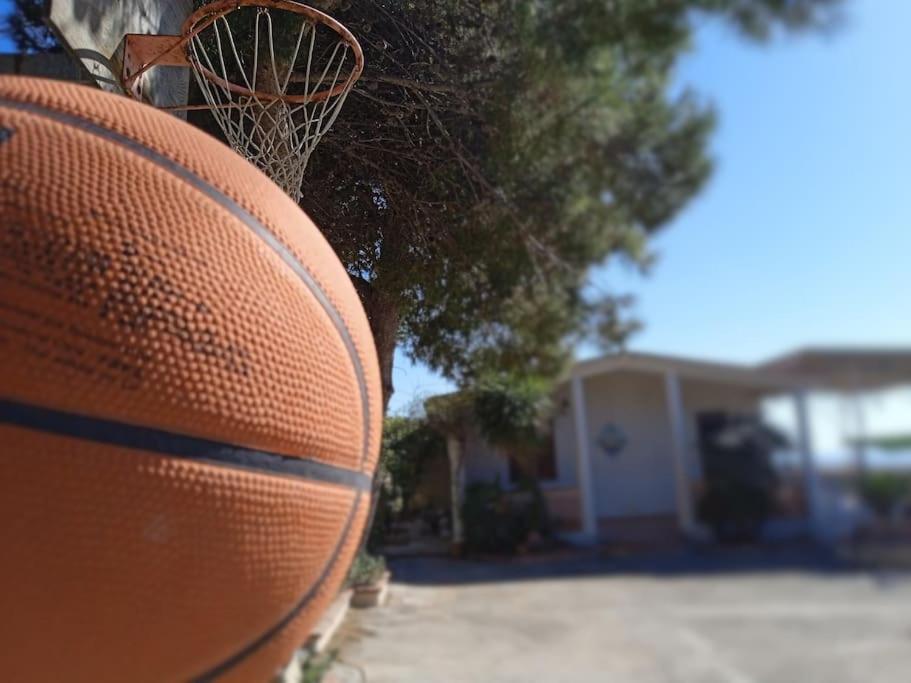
(274, 74)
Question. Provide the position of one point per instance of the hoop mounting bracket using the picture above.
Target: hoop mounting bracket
(140, 52)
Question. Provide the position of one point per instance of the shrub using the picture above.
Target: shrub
(499, 522)
(315, 668)
(740, 479)
(882, 491)
(735, 510)
(366, 569)
(509, 411)
(407, 444)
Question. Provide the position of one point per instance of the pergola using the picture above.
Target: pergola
(850, 372)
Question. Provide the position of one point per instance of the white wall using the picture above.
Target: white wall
(640, 480)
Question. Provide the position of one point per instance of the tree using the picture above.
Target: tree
(25, 25)
(495, 150)
(407, 444)
(511, 413)
(508, 412)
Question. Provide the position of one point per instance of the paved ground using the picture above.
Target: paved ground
(789, 616)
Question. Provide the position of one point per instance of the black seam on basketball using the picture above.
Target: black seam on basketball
(161, 442)
(295, 611)
(266, 235)
(238, 212)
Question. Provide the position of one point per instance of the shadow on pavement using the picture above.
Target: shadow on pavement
(685, 562)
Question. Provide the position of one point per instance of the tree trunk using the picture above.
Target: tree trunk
(383, 315)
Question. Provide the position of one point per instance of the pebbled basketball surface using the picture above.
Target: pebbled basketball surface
(190, 404)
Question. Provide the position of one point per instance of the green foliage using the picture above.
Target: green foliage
(735, 510)
(896, 442)
(25, 25)
(407, 444)
(315, 668)
(495, 150)
(534, 508)
(509, 410)
(882, 491)
(498, 522)
(366, 569)
(758, 19)
(489, 526)
(450, 414)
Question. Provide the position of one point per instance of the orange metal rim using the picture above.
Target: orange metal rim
(208, 14)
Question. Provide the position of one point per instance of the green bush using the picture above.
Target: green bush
(509, 411)
(739, 477)
(366, 569)
(499, 522)
(735, 510)
(883, 490)
(315, 668)
(407, 444)
(534, 508)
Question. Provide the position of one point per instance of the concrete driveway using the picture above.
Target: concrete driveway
(789, 616)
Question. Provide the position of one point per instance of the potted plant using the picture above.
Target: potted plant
(369, 580)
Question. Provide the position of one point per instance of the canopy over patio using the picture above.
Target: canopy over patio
(845, 370)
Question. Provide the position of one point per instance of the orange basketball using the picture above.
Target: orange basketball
(190, 402)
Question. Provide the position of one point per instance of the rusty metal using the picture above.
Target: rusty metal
(144, 52)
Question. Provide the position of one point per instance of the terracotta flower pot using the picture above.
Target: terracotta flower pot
(371, 594)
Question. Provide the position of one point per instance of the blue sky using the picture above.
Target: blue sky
(803, 236)
(5, 44)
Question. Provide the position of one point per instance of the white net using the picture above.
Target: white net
(275, 82)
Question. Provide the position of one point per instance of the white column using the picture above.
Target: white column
(677, 419)
(805, 448)
(860, 432)
(583, 460)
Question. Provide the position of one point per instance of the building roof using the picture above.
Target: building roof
(845, 368)
(839, 369)
(764, 380)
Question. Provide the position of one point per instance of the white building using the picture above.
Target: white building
(625, 463)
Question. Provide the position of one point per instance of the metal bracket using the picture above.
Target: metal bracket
(141, 52)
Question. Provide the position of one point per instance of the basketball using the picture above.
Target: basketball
(190, 405)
